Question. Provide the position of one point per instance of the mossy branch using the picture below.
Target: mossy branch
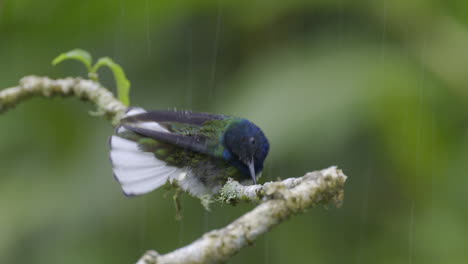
(234, 192)
(278, 200)
(87, 90)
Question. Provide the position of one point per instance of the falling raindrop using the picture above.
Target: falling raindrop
(148, 30)
(215, 48)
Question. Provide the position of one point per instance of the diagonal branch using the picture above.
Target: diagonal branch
(87, 90)
(280, 201)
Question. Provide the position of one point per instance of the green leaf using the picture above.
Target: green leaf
(123, 84)
(76, 54)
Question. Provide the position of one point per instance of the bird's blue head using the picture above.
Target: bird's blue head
(246, 148)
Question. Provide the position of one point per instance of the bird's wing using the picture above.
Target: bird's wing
(198, 132)
(193, 143)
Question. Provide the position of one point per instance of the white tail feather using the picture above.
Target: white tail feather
(129, 175)
(145, 186)
(137, 171)
(133, 159)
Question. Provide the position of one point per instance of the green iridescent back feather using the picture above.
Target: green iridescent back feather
(213, 130)
(211, 169)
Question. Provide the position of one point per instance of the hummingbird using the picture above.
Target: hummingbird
(198, 151)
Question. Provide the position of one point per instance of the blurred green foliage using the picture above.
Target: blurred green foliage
(376, 87)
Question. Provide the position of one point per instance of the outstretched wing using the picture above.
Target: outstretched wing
(198, 132)
(194, 143)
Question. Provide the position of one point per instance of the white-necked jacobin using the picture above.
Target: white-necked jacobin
(198, 150)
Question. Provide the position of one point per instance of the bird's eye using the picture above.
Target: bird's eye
(252, 141)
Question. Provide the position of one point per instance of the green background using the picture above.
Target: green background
(378, 88)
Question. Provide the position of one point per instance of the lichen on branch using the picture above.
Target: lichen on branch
(280, 200)
(86, 90)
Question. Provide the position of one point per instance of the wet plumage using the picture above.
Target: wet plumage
(198, 150)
